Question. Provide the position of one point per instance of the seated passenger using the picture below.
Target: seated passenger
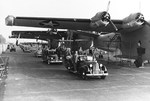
(90, 51)
(76, 56)
(80, 51)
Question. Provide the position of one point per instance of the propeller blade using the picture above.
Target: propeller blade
(108, 6)
(113, 25)
(116, 29)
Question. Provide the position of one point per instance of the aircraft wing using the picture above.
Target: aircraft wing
(101, 22)
(61, 23)
(27, 37)
(126, 56)
(43, 35)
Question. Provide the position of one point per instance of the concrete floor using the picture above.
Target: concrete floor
(31, 80)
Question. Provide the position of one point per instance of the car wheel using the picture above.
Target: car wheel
(103, 77)
(67, 65)
(69, 69)
(48, 61)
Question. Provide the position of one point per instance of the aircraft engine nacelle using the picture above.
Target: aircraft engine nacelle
(100, 19)
(9, 21)
(134, 20)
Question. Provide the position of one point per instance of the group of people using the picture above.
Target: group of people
(73, 56)
(92, 51)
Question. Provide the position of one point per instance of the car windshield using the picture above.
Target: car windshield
(51, 51)
(87, 58)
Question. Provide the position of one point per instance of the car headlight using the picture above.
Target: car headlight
(100, 65)
(91, 65)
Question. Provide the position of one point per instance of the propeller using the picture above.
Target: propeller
(110, 21)
(108, 6)
(145, 22)
(114, 26)
(102, 19)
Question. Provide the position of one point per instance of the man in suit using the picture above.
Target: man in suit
(140, 52)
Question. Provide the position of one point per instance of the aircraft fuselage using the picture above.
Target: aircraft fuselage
(130, 40)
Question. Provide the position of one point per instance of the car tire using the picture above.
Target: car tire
(103, 77)
(48, 62)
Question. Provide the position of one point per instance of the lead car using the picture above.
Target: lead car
(86, 66)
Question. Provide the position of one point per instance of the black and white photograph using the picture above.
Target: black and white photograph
(74, 50)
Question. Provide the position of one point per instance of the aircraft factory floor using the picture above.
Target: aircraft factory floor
(31, 80)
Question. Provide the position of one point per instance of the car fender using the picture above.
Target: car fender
(84, 67)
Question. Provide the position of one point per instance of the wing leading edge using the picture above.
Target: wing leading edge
(61, 23)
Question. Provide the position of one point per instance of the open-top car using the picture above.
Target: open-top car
(86, 66)
(50, 56)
